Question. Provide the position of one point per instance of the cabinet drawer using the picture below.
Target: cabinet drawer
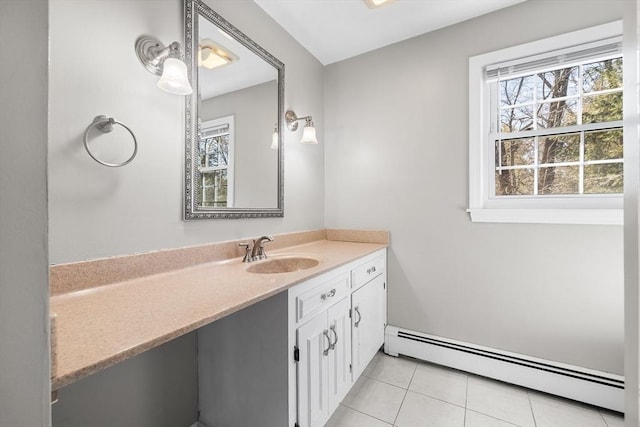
(367, 271)
(319, 298)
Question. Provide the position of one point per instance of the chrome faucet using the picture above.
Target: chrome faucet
(257, 253)
(258, 250)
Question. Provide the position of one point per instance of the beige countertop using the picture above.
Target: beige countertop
(103, 325)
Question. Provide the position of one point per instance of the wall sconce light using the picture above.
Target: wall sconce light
(309, 131)
(274, 138)
(164, 61)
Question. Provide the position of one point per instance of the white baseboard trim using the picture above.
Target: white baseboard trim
(573, 382)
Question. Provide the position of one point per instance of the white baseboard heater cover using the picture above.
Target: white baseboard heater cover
(584, 385)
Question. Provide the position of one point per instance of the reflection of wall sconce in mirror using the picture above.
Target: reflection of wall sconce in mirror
(274, 138)
(374, 4)
(308, 132)
(164, 61)
(213, 55)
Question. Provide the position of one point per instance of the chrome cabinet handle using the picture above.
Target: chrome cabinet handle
(357, 310)
(325, 333)
(329, 294)
(332, 346)
(371, 270)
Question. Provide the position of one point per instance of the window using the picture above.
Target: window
(546, 130)
(215, 172)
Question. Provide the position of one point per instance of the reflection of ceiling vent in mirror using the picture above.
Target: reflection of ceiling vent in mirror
(213, 55)
(373, 4)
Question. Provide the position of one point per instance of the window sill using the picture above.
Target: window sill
(548, 216)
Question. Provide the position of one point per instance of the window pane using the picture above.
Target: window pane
(516, 119)
(209, 196)
(214, 193)
(558, 180)
(602, 108)
(557, 83)
(515, 152)
(202, 152)
(516, 91)
(558, 113)
(603, 145)
(208, 179)
(602, 75)
(514, 182)
(559, 148)
(212, 161)
(603, 179)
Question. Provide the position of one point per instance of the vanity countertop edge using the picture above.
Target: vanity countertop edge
(101, 326)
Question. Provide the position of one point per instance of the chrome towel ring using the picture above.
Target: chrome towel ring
(105, 125)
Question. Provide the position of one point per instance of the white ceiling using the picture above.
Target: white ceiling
(333, 30)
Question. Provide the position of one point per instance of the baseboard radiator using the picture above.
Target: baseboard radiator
(584, 385)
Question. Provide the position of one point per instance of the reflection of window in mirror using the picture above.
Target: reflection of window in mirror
(215, 148)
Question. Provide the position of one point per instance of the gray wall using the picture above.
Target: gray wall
(97, 211)
(243, 367)
(397, 157)
(154, 389)
(256, 164)
(24, 308)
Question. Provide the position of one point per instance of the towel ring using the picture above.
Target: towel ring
(105, 125)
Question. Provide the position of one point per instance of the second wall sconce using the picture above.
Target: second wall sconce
(164, 61)
(308, 132)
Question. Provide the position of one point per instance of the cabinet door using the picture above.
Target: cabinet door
(340, 354)
(313, 391)
(368, 318)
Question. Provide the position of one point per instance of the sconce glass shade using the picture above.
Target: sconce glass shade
(174, 77)
(309, 131)
(274, 140)
(373, 4)
(309, 134)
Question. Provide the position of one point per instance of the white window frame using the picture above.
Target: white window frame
(596, 209)
(229, 122)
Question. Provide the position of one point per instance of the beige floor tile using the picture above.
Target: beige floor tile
(375, 398)
(441, 383)
(422, 411)
(392, 370)
(557, 412)
(475, 419)
(613, 421)
(347, 417)
(500, 401)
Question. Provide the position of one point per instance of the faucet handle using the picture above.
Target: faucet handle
(247, 256)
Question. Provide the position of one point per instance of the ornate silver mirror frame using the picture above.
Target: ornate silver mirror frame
(193, 10)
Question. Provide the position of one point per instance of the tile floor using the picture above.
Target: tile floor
(404, 392)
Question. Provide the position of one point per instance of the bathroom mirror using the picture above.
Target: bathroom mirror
(233, 139)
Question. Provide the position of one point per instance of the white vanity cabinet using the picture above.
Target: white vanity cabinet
(336, 326)
(323, 370)
(292, 357)
(368, 313)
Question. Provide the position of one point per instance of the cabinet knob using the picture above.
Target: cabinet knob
(329, 294)
(357, 310)
(371, 270)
